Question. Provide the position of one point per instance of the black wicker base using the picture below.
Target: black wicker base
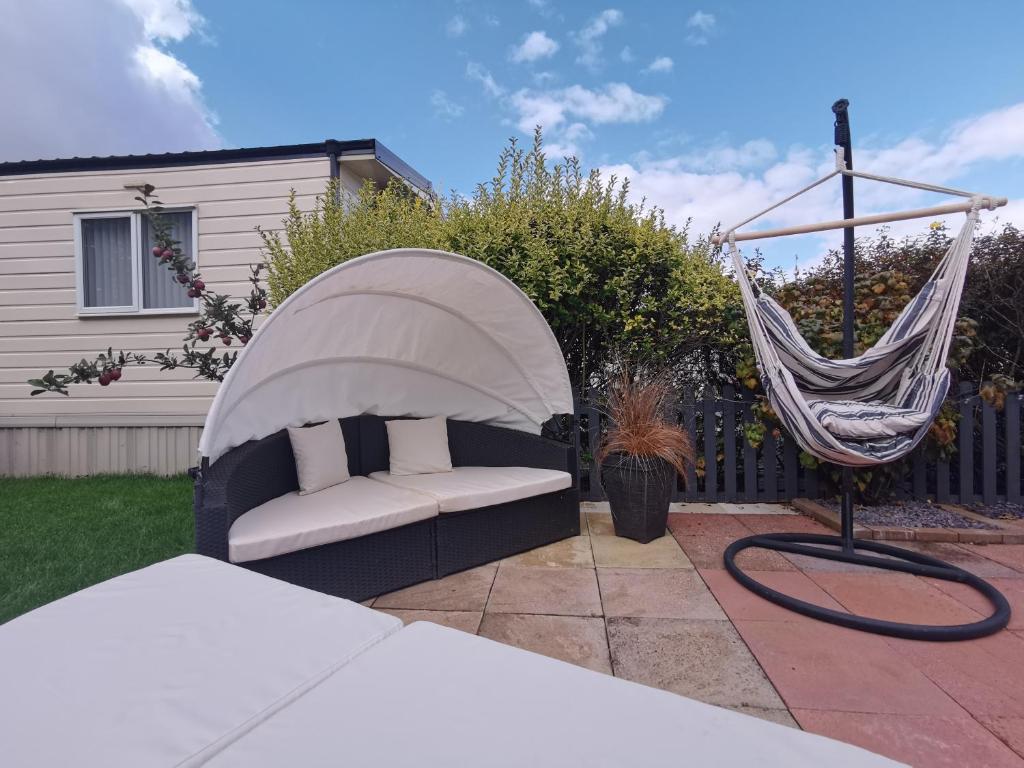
(475, 537)
(896, 559)
(359, 568)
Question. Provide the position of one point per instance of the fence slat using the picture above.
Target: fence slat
(1013, 446)
(920, 473)
(690, 425)
(594, 438)
(988, 453)
(771, 467)
(729, 440)
(942, 480)
(749, 454)
(710, 449)
(791, 468)
(965, 444)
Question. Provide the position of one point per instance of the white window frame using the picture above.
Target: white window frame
(135, 308)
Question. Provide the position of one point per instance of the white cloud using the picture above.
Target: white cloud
(444, 107)
(614, 103)
(536, 45)
(477, 72)
(589, 38)
(702, 25)
(167, 20)
(660, 64)
(724, 184)
(105, 82)
(626, 54)
(456, 26)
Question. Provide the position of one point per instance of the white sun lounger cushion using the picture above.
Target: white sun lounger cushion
(433, 697)
(163, 666)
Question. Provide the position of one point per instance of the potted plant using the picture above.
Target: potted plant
(641, 453)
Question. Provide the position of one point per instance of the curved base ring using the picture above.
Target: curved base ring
(896, 559)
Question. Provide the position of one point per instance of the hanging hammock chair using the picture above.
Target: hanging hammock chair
(874, 408)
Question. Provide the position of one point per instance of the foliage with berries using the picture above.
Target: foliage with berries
(222, 322)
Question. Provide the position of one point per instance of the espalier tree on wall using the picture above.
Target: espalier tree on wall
(611, 278)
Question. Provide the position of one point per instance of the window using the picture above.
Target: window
(116, 271)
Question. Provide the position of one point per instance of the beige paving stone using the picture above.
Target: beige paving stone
(617, 552)
(584, 529)
(676, 593)
(576, 639)
(600, 524)
(705, 660)
(467, 621)
(568, 553)
(466, 591)
(559, 591)
(595, 506)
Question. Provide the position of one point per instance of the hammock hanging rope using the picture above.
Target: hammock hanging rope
(877, 407)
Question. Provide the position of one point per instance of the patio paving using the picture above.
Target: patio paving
(667, 614)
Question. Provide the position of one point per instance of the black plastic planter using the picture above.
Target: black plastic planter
(639, 490)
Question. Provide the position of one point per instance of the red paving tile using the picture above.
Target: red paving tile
(740, 603)
(931, 742)
(1010, 555)
(707, 525)
(1012, 589)
(783, 524)
(706, 550)
(815, 665)
(894, 597)
(1010, 731)
(985, 676)
(959, 555)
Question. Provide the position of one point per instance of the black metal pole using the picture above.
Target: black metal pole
(842, 139)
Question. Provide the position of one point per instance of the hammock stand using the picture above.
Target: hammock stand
(843, 548)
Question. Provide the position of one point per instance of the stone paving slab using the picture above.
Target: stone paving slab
(753, 509)
(559, 591)
(740, 603)
(616, 552)
(466, 591)
(895, 597)
(573, 552)
(576, 639)
(600, 524)
(932, 742)
(467, 621)
(815, 665)
(705, 660)
(656, 593)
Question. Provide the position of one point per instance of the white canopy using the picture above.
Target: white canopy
(408, 332)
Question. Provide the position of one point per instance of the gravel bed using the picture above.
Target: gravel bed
(1001, 510)
(909, 514)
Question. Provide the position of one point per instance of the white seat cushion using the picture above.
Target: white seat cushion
(435, 697)
(474, 487)
(292, 522)
(164, 665)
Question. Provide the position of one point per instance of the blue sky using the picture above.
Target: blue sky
(714, 109)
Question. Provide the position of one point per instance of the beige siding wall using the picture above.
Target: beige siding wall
(40, 329)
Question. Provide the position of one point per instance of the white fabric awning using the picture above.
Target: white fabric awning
(409, 332)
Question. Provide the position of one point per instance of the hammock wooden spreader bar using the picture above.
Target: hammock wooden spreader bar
(980, 201)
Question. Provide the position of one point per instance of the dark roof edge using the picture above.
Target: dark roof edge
(208, 157)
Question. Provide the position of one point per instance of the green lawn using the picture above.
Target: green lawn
(58, 535)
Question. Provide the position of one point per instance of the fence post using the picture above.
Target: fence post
(791, 468)
(965, 440)
(1011, 413)
(749, 452)
(771, 467)
(689, 415)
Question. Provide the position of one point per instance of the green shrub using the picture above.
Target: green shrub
(609, 276)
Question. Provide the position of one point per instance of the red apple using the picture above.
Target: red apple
(226, 339)
(168, 253)
(104, 379)
(244, 339)
(115, 374)
(199, 285)
(157, 251)
(182, 278)
(203, 334)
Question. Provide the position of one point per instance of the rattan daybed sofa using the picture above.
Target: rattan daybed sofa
(395, 334)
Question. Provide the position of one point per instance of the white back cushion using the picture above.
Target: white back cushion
(320, 458)
(419, 446)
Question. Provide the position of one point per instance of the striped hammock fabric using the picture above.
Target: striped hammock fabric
(870, 409)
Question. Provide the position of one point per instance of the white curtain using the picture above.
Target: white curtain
(107, 262)
(160, 289)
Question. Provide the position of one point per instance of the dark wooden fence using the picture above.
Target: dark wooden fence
(986, 467)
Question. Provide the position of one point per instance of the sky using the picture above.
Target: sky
(713, 109)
